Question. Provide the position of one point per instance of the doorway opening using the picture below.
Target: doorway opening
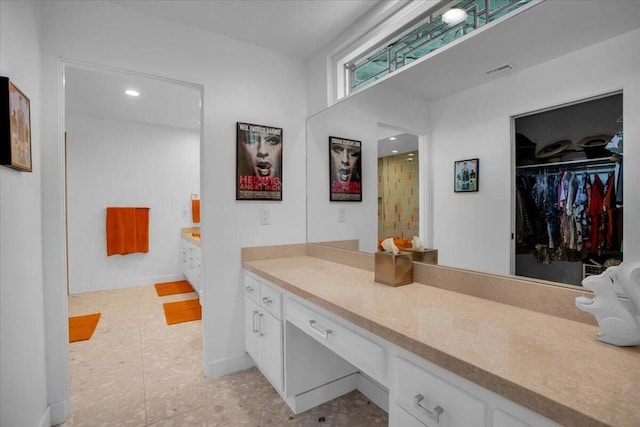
(131, 140)
(401, 176)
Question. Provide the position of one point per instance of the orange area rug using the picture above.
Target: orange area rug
(182, 311)
(81, 328)
(170, 288)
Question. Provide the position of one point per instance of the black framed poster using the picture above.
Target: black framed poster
(259, 162)
(345, 170)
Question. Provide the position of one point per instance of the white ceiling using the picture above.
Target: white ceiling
(543, 32)
(295, 27)
(99, 93)
(403, 143)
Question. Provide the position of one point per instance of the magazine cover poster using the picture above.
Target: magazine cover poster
(345, 170)
(259, 162)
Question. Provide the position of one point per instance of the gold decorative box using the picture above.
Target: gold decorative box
(393, 270)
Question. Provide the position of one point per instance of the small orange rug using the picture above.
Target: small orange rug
(182, 311)
(81, 328)
(170, 288)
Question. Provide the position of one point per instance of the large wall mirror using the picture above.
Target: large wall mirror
(457, 111)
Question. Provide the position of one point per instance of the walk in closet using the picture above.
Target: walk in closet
(568, 190)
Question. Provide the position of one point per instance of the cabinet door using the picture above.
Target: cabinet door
(271, 348)
(185, 263)
(251, 337)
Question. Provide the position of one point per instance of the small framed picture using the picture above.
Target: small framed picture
(15, 127)
(345, 170)
(259, 162)
(465, 175)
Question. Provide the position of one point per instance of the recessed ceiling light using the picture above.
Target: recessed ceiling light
(132, 92)
(394, 151)
(454, 16)
(393, 138)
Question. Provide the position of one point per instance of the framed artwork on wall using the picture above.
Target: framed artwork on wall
(465, 175)
(345, 170)
(258, 162)
(15, 127)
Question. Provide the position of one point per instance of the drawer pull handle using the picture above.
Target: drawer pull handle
(434, 413)
(260, 324)
(267, 301)
(323, 333)
(253, 326)
(249, 289)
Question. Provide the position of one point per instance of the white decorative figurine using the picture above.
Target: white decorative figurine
(616, 306)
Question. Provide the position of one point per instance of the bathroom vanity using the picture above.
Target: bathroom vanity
(191, 258)
(429, 356)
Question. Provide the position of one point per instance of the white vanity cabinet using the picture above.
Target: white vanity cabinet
(192, 265)
(263, 329)
(423, 394)
(311, 355)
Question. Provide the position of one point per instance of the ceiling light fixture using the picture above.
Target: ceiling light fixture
(454, 16)
(132, 92)
(410, 154)
(393, 138)
(394, 151)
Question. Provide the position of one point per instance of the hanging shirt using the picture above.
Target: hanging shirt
(595, 210)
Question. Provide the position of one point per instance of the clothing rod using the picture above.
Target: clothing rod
(572, 163)
(587, 170)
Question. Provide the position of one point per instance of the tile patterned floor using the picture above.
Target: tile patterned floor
(137, 371)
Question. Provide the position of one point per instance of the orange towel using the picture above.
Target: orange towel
(127, 230)
(195, 210)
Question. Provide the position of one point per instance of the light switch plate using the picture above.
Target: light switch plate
(342, 215)
(265, 216)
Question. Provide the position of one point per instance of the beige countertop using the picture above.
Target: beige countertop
(551, 365)
(187, 234)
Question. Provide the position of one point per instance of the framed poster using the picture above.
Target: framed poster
(345, 173)
(465, 175)
(259, 162)
(15, 127)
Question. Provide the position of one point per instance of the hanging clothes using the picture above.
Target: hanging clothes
(595, 213)
(609, 204)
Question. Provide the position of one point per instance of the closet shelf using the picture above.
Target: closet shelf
(601, 161)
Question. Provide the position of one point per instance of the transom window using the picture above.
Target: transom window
(425, 34)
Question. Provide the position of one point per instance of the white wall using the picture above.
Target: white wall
(116, 163)
(241, 82)
(354, 118)
(23, 387)
(472, 230)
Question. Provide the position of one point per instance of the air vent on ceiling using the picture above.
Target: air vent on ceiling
(499, 69)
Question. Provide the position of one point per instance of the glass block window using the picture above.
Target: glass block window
(422, 37)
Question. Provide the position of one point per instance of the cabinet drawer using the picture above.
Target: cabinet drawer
(271, 300)
(365, 355)
(398, 417)
(252, 288)
(423, 395)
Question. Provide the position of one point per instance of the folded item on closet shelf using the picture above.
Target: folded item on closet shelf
(127, 230)
(195, 210)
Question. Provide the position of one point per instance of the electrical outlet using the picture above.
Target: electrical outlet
(265, 216)
(342, 215)
(185, 213)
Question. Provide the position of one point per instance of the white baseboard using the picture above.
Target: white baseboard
(59, 413)
(373, 391)
(317, 396)
(124, 284)
(228, 366)
(45, 421)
